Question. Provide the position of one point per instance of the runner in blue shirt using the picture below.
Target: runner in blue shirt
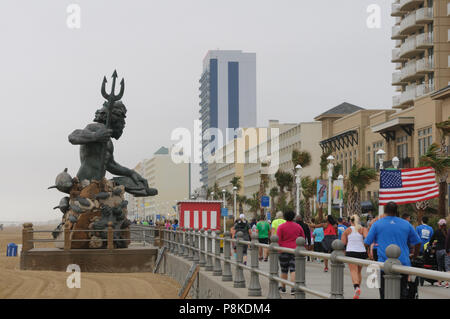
(425, 232)
(394, 230)
(341, 227)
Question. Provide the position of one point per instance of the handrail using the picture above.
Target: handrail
(185, 243)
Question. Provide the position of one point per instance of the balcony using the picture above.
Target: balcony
(396, 101)
(396, 78)
(408, 96)
(409, 5)
(395, 10)
(396, 56)
(409, 72)
(409, 49)
(425, 65)
(423, 89)
(424, 15)
(396, 35)
(409, 24)
(424, 40)
(404, 162)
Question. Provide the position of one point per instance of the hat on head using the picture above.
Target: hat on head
(242, 216)
(442, 222)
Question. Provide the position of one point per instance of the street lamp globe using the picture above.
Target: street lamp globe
(380, 153)
(340, 177)
(395, 162)
(330, 158)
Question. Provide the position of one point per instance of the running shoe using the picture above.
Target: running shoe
(439, 284)
(293, 291)
(325, 269)
(282, 289)
(446, 285)
(357, 293)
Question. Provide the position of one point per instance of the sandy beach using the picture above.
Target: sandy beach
(15, 283)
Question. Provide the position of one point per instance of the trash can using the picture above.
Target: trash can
(11, 250)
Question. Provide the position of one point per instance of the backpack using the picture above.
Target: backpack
(243, 227)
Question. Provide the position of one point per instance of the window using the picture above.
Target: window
(402, 147)
(425, 139)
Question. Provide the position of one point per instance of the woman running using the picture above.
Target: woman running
(330, 232)
(353, 237)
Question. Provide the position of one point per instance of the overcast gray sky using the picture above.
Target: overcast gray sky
(311, 56)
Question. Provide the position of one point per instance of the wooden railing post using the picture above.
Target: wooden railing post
(27, 236)
(110, 236)
(66, 237)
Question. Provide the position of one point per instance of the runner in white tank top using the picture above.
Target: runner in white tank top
(353, 238)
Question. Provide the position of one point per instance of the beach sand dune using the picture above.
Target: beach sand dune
(16, 283)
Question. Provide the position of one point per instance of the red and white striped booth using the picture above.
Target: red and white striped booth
(200, 214)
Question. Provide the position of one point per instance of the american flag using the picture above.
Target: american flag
(408, 185)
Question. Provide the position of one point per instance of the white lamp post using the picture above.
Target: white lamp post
(224, 204)
(330, 175)
(234, 195)
(298, 175)
(380, 155)
(340, 178)
(395, 162)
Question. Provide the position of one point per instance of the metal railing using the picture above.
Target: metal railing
(29, 240)
(197, 246)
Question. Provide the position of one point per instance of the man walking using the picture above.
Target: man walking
(287, 233)
(425, 232)
(263, 229)
(394, 230)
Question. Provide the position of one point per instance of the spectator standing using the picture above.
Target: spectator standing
(277, 222)
(263, 230)
(440, 236)
(175, 224)
(425, 232)
(353, 238)
(287, 233)
(394, 230)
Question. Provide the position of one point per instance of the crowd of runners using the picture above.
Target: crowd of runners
(368, 241)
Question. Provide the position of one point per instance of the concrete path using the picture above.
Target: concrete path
(319, 280)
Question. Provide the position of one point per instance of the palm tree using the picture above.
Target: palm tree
(358, 179)
(274, 193)
(308, 190)
(441, 164)
(236, 182)
(253, 203)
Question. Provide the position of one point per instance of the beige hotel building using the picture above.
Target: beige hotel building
(283, 137)
(422, 60)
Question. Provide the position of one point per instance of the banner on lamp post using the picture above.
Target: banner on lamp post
(322, 191)
(338, 192)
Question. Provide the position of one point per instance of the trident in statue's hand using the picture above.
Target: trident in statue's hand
(111, 98)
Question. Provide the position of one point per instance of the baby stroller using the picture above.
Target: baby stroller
(427, 261)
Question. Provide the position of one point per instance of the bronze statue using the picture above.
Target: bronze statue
(96, 147)
(95, 201)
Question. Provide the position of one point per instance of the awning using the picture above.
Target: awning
(388, 128)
